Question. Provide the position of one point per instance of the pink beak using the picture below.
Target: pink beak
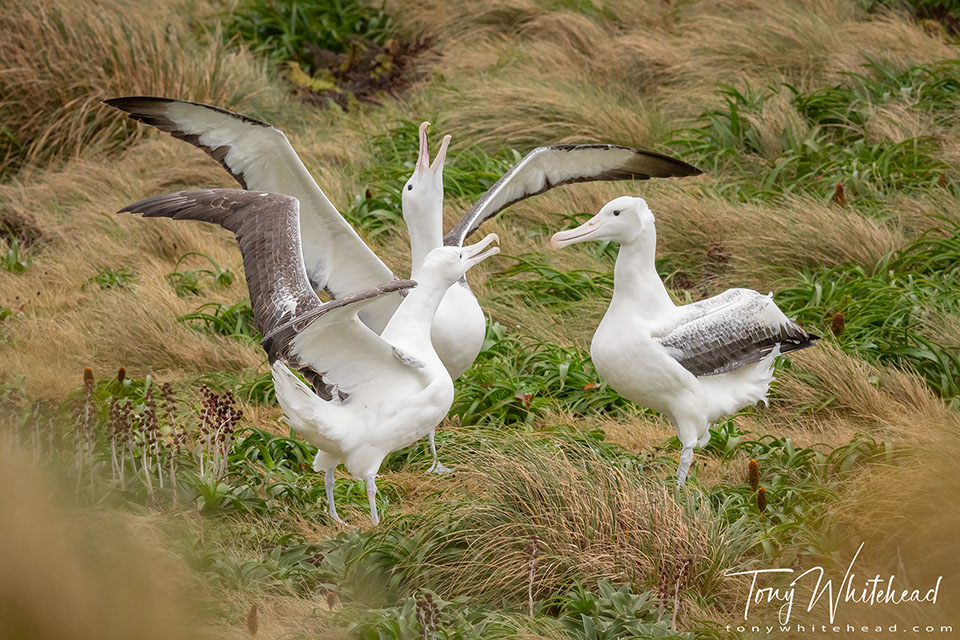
(423, 159)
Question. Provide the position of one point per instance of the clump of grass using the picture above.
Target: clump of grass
(593, 520)
(50, 95)
(887, 309)
(821, 140)
(190, 281)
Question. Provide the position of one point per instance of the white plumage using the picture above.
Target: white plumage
(381, 392)
(694, 363)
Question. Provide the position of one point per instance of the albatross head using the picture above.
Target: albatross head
(622, 220)
(422, 194)
(449, 263)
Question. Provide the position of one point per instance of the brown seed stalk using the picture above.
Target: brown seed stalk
(753, 474)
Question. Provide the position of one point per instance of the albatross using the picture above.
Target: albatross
(381, 391)
(694, 363)
(260, 157)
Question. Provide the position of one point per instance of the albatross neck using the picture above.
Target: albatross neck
(636, 284)
(426, 234)
(411, 323)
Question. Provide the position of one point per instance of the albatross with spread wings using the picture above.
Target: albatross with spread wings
(380, 392)
(260, 157)
(695, 363)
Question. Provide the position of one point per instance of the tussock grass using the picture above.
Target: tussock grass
(62, 58)
(503, 77)
(85, 574)
(592, 519)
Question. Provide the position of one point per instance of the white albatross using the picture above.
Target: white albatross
(694, 363)
(260, 157)
(382, 391)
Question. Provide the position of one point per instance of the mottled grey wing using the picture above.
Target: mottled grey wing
(260, 157)
(547, 167)
(737, 334)
(267, 230)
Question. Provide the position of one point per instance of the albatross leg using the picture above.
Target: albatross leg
(437, 466)
(688, 424)
(686, 458)
(328, 481)
(372, 499)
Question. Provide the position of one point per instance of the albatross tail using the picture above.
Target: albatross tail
(743, 387)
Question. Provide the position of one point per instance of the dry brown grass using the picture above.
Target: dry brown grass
(60, 59)
(83, 573)
(591, 521)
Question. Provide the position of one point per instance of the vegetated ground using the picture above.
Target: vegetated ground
(828, 133)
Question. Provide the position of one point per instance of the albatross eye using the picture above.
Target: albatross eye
(409, 187)
(617, 212)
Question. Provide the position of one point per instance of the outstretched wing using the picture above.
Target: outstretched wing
(260, 158)
(547, 167)
(743, 327)
(328, 338)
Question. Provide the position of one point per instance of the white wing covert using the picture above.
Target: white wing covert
(260, 157)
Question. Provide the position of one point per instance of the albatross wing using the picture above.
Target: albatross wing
(260, 158)
(743, 328)
(547, 167)
(328, 339)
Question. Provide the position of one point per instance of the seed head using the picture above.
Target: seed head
(753, 474)
(762, 499)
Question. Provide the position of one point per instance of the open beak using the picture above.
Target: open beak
(423, 159)
(437, 166)
(584, 232)
(475, 254)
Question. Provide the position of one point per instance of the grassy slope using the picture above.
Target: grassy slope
(509, 74)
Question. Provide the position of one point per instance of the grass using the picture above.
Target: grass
(886, 313)
(856, 444)
(813, 141)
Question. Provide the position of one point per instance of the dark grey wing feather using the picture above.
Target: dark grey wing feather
(547, 167)
(152, 111)
(735, 335)
(260, 158)
(267, 230)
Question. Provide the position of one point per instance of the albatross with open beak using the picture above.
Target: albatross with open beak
(694, 363)
(379, 392)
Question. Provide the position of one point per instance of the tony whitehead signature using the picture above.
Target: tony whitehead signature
(874, 591)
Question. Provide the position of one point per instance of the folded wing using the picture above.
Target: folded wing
(743, 328)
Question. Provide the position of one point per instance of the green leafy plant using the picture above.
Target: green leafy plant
(233, 321)
(190, 282)
(12, 258)
(110, 278)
